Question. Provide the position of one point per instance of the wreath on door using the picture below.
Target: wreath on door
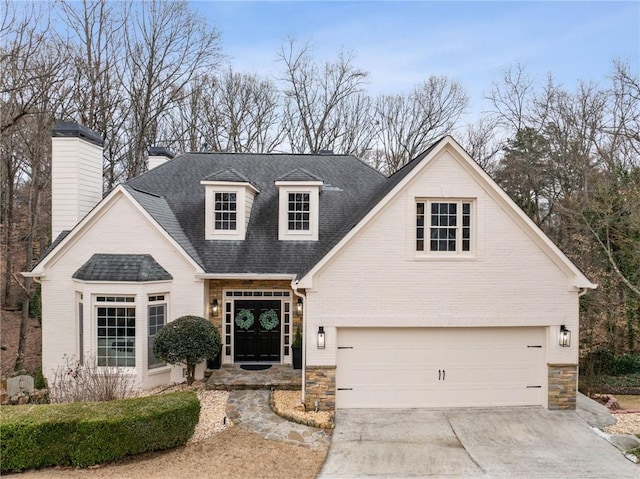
(244, 319)
(269, 320)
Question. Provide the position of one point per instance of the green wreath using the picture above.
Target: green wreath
(244, 319)
(269, 320)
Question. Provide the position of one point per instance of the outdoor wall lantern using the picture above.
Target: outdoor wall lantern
(320, 337)
(299, 305)
(214, 306)
(565, 337)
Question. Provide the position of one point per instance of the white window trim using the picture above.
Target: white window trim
(165, 302)
(240, 189)
(445, 255)
(94, 318)
(286, 187)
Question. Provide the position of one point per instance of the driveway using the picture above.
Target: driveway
(467, 443)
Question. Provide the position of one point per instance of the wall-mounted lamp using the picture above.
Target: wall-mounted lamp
(320, 337)
(299, 305)
(565, 337)
(214, 306)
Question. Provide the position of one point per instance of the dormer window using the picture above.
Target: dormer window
(225, 211)
(228, 200)
(299, 211)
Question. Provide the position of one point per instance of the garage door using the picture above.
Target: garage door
(440, 367)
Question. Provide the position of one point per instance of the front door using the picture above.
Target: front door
(256, 329)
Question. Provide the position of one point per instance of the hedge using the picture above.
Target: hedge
(83, 434)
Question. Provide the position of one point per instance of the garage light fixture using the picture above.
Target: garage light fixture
(565, 337)
(320, 337)
(214, 307)
(299, 305)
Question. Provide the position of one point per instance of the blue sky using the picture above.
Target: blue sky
(402, 43)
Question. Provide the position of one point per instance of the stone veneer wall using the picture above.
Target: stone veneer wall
(320, 386)
(563, 384)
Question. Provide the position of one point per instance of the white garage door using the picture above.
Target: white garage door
(440, 367)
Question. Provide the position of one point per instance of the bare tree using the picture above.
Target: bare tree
(317, 98)
(167, 45)
(95, 45)
(481, 142)
(511, 98)
(245, 111)
(27, 56)
(32, 68)
(409, 124)
(232, 112)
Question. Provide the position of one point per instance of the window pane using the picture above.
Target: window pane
(157, 319)
(298, 212)
(225, 211)
(116, 335)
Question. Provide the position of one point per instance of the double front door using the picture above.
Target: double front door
(257, 328)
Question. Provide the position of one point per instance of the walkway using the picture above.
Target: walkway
(250, 410)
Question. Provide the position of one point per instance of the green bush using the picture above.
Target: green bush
(188, 340)
(626, 364)
(83, 434)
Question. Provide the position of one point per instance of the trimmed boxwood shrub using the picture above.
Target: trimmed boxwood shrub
(83, 434)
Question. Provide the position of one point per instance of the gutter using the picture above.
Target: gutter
(294, 287)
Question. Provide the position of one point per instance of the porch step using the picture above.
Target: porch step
(231, 377)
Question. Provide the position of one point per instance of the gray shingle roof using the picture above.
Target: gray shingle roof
(299, 174)
(228, 174)
(158, 208)
(377, 195)
(122, 267)
(174, 196)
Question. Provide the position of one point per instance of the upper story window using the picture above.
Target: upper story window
(228, 201)
(298, 211)
(299, 206)
(444, 226)
(225, 211)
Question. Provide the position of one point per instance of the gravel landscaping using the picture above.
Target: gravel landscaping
(626, 423)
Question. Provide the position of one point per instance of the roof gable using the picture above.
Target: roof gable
(399, 181)
(299, 174)
(227, 175)
(151, 206)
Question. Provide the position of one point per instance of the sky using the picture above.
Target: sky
(402, 43)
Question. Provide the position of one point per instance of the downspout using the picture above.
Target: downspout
(582, 292)
(294, 286)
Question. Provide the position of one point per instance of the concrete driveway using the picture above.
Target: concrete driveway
(468, 443)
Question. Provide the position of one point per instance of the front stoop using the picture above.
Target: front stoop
(231, 377)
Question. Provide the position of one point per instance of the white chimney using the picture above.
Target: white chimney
(76, 174)
(157, 156)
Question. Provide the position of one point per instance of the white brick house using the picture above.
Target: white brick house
(429, 288)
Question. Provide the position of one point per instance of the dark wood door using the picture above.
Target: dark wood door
(255, 342)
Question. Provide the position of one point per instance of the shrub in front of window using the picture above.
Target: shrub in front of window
(83, 434)
(188, 340)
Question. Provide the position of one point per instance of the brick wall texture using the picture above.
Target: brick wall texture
(563, 383)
